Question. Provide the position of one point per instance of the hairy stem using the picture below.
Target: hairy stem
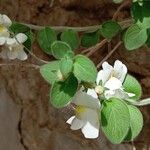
(139, 103)
(126, 23)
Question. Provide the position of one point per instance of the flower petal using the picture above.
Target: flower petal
(92, 93)
(22, 55)
(12, 54)
(90, 131)
(83, 99)
(77, 124)
(104, 75)
(69, 121)
(113, 84)
(2, 40)
(21, 38)
(11, 41)
(6, 21)
(120, 70)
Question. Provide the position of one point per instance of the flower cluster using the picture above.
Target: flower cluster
(109, 83)
(12, 46)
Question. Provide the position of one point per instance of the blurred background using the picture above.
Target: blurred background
(27, 119)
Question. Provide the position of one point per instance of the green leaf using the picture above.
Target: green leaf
(135, 37)
(136, 123)
(49, 71)
(84, 69)
(18, 28)
(62, 92)
(46, 37)
(70, 37)
(136, 12)
(110, 29)
(60, 49)
(66, 66)
(115, 120)
(90, 39)
(148, 40)
(131, 85)
(29, 41)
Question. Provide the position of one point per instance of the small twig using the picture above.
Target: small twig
(124, 4)
(139, 103)
(109, 54)
(96, 47)
(15, 64)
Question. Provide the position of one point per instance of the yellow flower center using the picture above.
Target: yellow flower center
(79, 110)
(2, 28)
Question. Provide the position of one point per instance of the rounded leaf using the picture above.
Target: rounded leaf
(66, 66)
(84, 69)
(71, 37)
(115, 120)
(46, 37)
(62, 92)
(136, 122)
(135, 37)
(110, 29)
(49, 71)
(60, 49)
(131, 85)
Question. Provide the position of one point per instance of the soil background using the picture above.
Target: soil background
(27, 119)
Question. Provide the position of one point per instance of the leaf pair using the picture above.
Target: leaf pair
(120, 121)
(47, 39)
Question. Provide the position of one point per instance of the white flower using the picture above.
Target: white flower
(14, 48)
(86, 114)
(5, 23)
(112, 79)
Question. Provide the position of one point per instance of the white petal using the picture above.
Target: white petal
(6, 21)
(12, 54)
(11, 41)
(131, 94)
(2, 40)
(92, 93)
(69, 121)
(22, 55)
(83, 99)
(104, 75)
(77, 124)
(21, 38)
(90, 131)
(120, 70)
(113, 84)
(90, 115)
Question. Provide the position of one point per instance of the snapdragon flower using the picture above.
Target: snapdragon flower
(86, 115)
(14, 48)
(5, 23)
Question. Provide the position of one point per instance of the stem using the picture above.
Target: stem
(124, 4)
(95, 48)
(124, 24)
(109, 54)
(139, 103)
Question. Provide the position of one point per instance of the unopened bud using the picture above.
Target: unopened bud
(60, 76)
(99, 89)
